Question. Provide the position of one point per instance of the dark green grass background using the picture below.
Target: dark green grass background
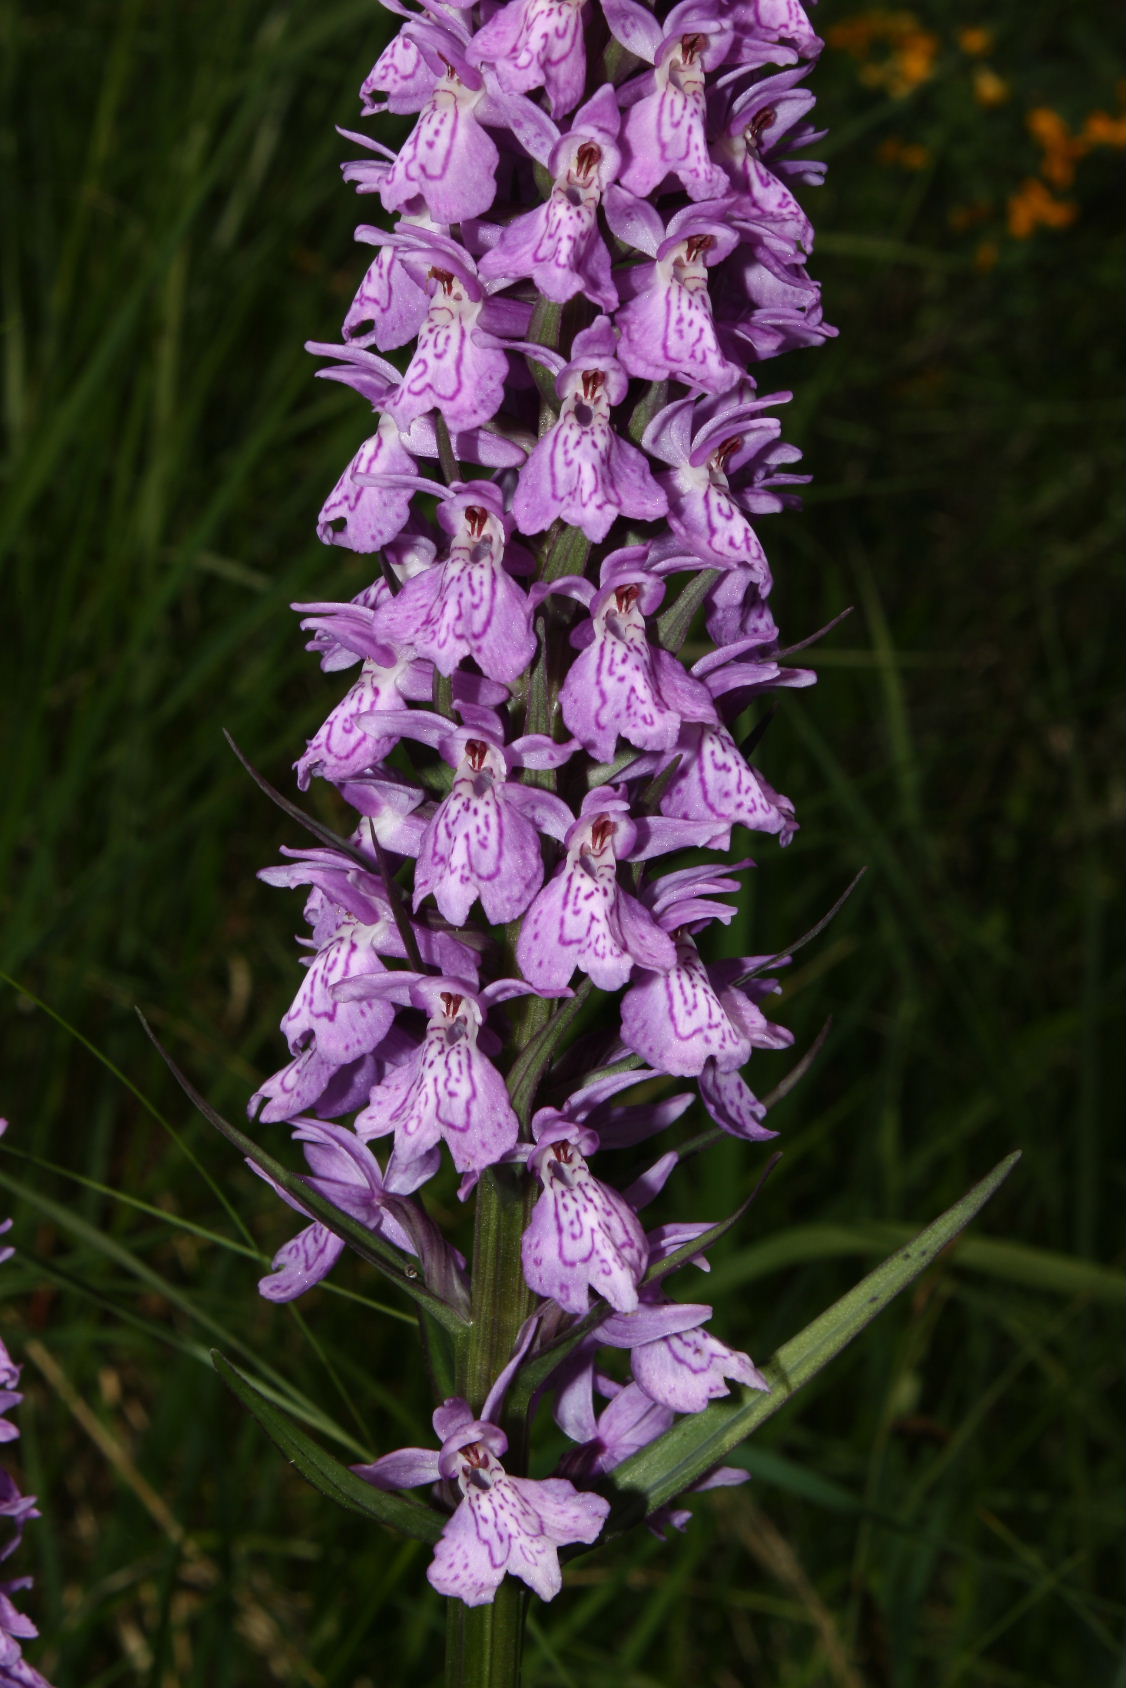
(944, 1506)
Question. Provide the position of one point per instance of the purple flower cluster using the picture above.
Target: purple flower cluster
(17, 1509)
(595, 233)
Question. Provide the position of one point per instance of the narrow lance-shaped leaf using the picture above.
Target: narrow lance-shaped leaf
(320, 1469)
(384, 1256)
(693, 1446)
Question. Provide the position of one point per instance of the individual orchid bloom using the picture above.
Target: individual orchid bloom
(707, 443)
(739, 608)
(583, 918)
(457, 368)
(354, 928)
(536, 44)
(403, 73)
(583, 1234)
(678, 1363)
(766, 298)
(713, 779)
(666, 131)
(344, 633)
(448, 1090)
(313, 1083)
(582, 471)
(483, 839)
(390, 305)
(501, 1523)
(668, 329)
(678, 1018)
(393, 814)
(629, 1423)
(710, 778)
(621, 684)
(468, 604)
(781, 21)
(762, 129)
(341, 748)
(356, 516)
(448, 161)
(344, 1171)
(687, 1369)
(558, 245)
(379, 381)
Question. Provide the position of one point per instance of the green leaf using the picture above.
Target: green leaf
(309, 823)
(675, 623)
(325, 1473)
(693, 1446)
(991, 1257)
(392, 1262)
(533, 1062)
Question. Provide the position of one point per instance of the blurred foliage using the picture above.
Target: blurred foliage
(943, 1507)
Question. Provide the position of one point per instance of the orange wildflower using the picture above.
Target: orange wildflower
(1033, 206)
(1103, 130)
(911, 50)
(1060, 147)
(989, 88)
(974, 40)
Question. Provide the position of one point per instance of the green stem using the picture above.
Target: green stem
(501, 1298)
(485, 1644)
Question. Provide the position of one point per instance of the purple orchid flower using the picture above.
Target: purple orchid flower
(665, 132)
(707, 442)
(390, 305)
(710, 778)
(314, 1083)
(342, 747)
(629, 1423)
(402, 73)
(680, 1017)
(688, 1368)
(738, 609)
(469, 604)
(768, 276)
(763, 129)
(483, 840)
(353, 929)
(458, 368)
(668, 329)
(583, 918)
(447, 1089)
(345, 1171)
(558, 245)
(582, 471)
(536, 44)
(582, 1235)
(353, 515)
(448, 161)
(782, 21)
(501, 1523)
(620, 684)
